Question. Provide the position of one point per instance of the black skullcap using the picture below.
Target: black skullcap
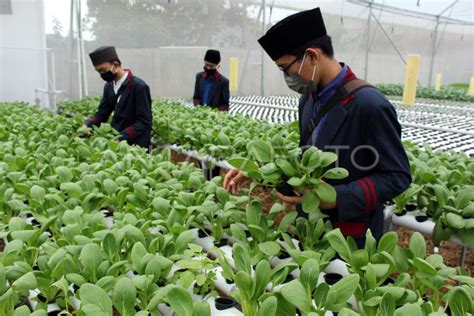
(103, 54)
(293, 32)
(213, 56)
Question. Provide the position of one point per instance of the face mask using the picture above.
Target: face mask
(210, 72)
(108, 76)
(295, 83)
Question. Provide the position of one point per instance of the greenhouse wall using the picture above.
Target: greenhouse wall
(22, 38)
(167, 57)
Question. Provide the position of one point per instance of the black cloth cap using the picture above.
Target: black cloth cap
(103, 54)
(293, 32)
(213, 56)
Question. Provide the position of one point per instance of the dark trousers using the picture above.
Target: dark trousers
(212, 172)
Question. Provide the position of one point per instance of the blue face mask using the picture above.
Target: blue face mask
(297, 84)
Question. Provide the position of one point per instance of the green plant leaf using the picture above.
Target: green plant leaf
(90, 258)
(253, 212)
(75, 278)
(262, 277)
(395, 291)
(286, 167)
(73, 189)
(23, 235)
(287, 220)
(460, 302)
(435, 260)
(424, 267)
(409, 309)
(110, 186)
(463, 197)
(124, 296)
(238, 232)
(222, 195)
(454, 220)
(342, 291)
(260, 151)
(326, 192)
(310, 202)
(466, 236)
(339, 244)
(25, 282)
(37, 193)
(91, 294)
(321, 293)
(180, 301)
(336, 174)
(347, 312)
(387, 306)
(244, 284)
(153, 267)
(441, 194)
(64, 174)
(270, 248)
(388, 242)
(22, 311)
(133, 233)
(371, 276)
(241, 258)
(327, 158)
(269, 307)
(295, 181)
(418, 245)
(244, 164)
(295, 293)
(309, 274)
(360, 258)
(440, 234)
(276, 208)
(202, 309)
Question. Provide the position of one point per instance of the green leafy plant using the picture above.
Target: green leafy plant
(309, 297)
(252, 282)
(452, 93)
(304, 172)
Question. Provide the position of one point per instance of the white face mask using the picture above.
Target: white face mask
(297, 84)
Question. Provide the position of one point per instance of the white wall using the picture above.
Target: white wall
(23, 55)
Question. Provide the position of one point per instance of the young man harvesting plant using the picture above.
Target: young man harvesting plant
(212, 89)
(124, 94)
(343, 114)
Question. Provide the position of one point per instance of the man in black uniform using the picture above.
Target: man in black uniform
(125, 95)
(212, 89)
(340, 113)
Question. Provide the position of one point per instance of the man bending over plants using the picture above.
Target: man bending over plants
(339, 112)
(124, 94)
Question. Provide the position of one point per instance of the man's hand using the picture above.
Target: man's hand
(233, 180)
(85, 126)
(293, 200)
(327, 205)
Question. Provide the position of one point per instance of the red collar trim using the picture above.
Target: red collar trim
(350, 75)
(218, 75)
(129, 81)
(130, 73)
